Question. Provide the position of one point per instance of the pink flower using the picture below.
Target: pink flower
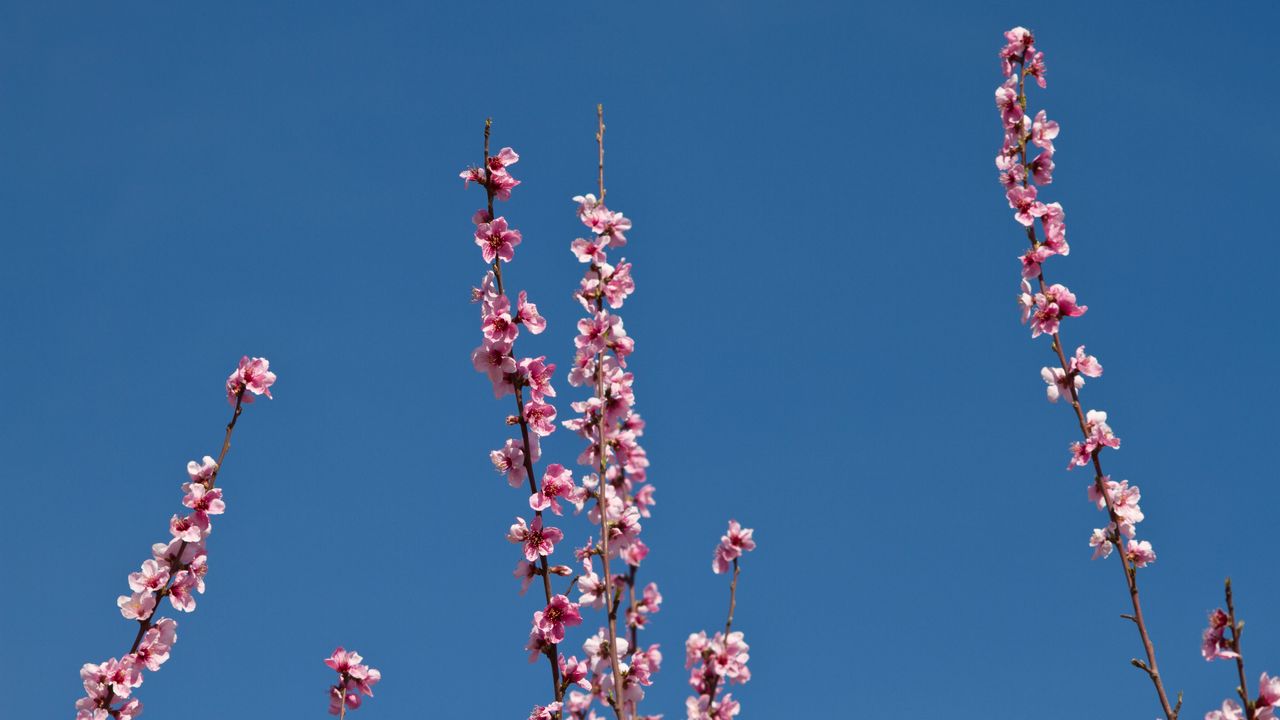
(1023, 201)
(1101, 543)
(1140, 553)
(557, 482)
(1230, 711)
(353, 676)
(494, 359)
(1043, 132)
(204, 502)
(1269, 690)
(540, 417)
(510, 460)
(1012, 172)
(251, 375)
(137, 606)
(1055, 303)
(153, 576)
(551, 621)
(536, 374)
(496, 323)
(204, 472)
(505, 158)
(574, 672)
(1041, 167)
(1086, 364)
(1055, 229)
(180, 591)
(1214, 645)
(732, 545)
(537, 540)
(496, 240)
(153, 651)
(1008, 105)
(1059, 382)
(528, 314)
(525, 572)
(1032, 259)
(185, 529)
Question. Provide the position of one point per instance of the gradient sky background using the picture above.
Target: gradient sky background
(828, 348)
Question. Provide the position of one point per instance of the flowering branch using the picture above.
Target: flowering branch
(611, 597)
(1217, 646)
(722, 659)
(496, 358)
(353, 676)
(1053, 303)
(176, 569)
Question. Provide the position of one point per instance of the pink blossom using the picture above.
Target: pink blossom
(1269, 690)
(251, 375)
(574, 672)
(496, 323)
(1230, 711)
(505, 158)
(510, 460)
(1044, 131)
(496, 240)
(1101, 543)
(1026, 301)
(557, 482)
(204, 472)
(1008, 105)
(153, 576)
(1032, 259)
(1086, 364)
(180, 591)
(1041, 168)
(1055, 229)
(1214, 645)
(1023, 201)
(528, 314)
(186, 529)
(540, 417)
(733, 544)
(552, 620)
(1140, 553)
(153, 651)
(137, 606)
(204, 501)
(525, 572)
(1059, 382)
(1012, 172)
(537, 540)
(1035, 67)
(536, 374)
(494, 359)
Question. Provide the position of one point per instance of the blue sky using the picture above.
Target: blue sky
(827, 346)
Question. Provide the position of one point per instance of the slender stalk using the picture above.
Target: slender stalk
(1236, 629)
(611, 600)
(147, 624)
(552, 652)
(728, 625)
(1130, 571)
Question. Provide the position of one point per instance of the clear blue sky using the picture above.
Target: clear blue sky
(828, 348)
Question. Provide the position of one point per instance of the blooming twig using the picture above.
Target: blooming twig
(721, 659)
(1217, 645)
(177, 568)
(1048, 307)
(353, 678)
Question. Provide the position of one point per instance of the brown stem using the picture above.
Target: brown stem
(728, 624)
(1236, 629)
(1130, 571)
(552, 652)
(631, 608)
(611, 602)
(145, 625)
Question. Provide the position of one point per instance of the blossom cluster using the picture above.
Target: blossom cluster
(721, 659)
(1216, 645)
(175, 571)
(354, 678)
(611, 428)
(1046, 305)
